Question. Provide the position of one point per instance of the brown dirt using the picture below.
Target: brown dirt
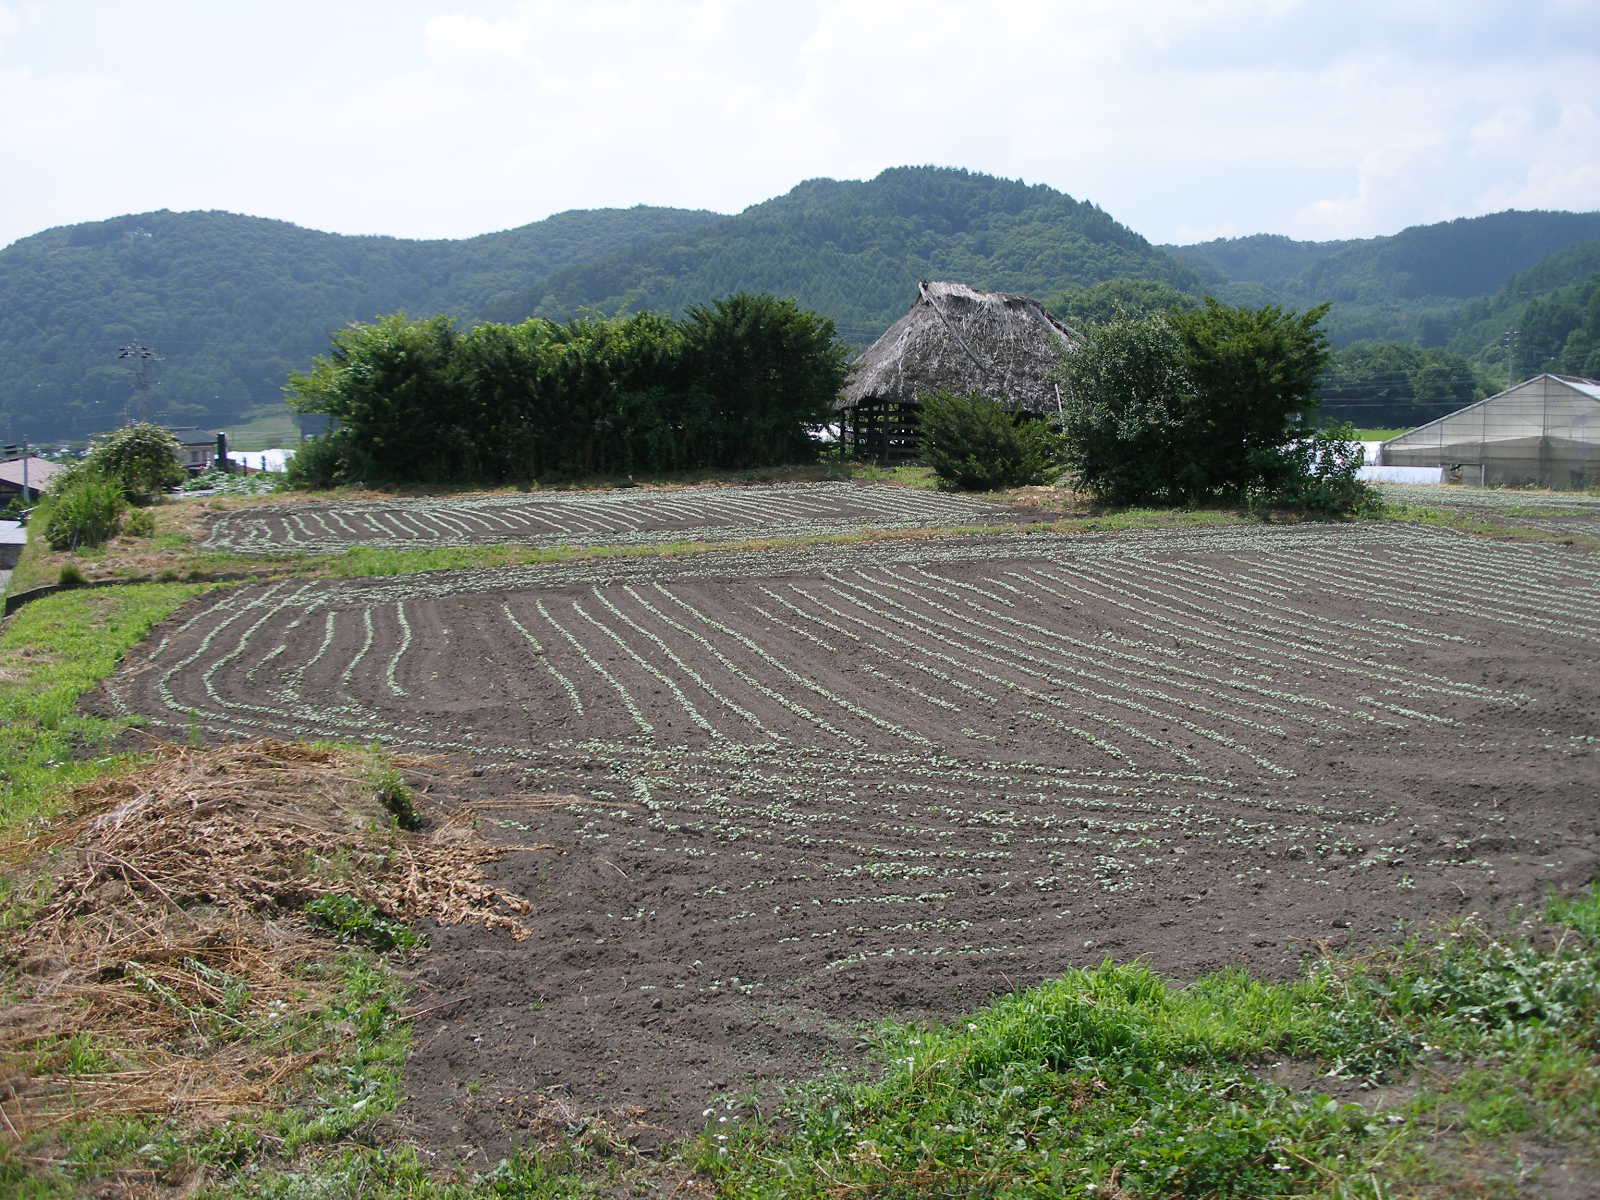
(816, 789)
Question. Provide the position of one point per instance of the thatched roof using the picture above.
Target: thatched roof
(958, 339)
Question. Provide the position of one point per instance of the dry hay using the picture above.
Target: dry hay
(958, 339)
(169, 935)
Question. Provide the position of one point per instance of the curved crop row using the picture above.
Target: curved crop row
(624, 517)
(891, 745)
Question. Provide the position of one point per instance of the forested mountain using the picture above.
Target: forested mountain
(1406, 287)
(1546, 318)
(1268, 258)
(855, 250)
(231, 304)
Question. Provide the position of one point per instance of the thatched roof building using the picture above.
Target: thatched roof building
(954, 339)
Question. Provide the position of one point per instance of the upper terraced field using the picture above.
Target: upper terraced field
(788, 790)
(630, 516)
(1553, 512)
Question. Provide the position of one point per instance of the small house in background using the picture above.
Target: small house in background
(199, 448)
(1543, 432)
(954, 339)
(36, 473)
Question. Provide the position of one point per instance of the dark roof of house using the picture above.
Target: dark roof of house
(40, 472)
(193, 435)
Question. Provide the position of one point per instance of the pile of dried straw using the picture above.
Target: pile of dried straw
(167, 937)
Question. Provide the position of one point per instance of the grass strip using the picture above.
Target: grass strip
(1487, 527)
(51, 652)
(1112, 1082)
(365, 562)
(173, 557)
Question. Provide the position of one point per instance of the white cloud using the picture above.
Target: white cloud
(1558, 164)
(1179, 117)
(462, 35)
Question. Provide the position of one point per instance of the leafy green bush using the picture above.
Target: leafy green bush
(86, 512)
(1190, 407)
(973, 443)
(1121, 416)
(142, 457)
(317, 464)
(139, 522)
(1318, 475)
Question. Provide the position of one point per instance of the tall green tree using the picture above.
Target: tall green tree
(1397, 385)
(394, 388)
(1191, 406)
(765, 370)
(735, 384)
(1255, 372)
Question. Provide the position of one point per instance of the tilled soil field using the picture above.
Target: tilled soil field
(629, 516)
(795, 791)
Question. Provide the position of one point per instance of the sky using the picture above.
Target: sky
(1183, 119)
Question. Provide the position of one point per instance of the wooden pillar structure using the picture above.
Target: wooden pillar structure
(885, 431)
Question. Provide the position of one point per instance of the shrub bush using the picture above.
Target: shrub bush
(142, 457)
(973, 443)
(139, 522)
(86, 512)
(317, 464)
(1317, 475)
(1194, 407)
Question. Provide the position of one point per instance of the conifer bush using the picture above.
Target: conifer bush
(975, 444)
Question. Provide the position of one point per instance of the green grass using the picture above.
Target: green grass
(363, 561)
(363, 1036)
(172, 556)
(1484, 524)
(52, 652)
(327, 1138)
(1114, 1078)
(1379, 435)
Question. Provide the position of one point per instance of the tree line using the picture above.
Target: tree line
(733, 384)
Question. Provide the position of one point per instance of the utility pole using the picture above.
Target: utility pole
(143, 356)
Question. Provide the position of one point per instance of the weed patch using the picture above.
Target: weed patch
(1113, 1082)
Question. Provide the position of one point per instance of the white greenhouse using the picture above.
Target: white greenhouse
(1544, 432)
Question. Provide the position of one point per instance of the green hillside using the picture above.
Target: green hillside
(855, 250)
(1260, 258)
(1409, 287)
(1546, 318)
(231, 304)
